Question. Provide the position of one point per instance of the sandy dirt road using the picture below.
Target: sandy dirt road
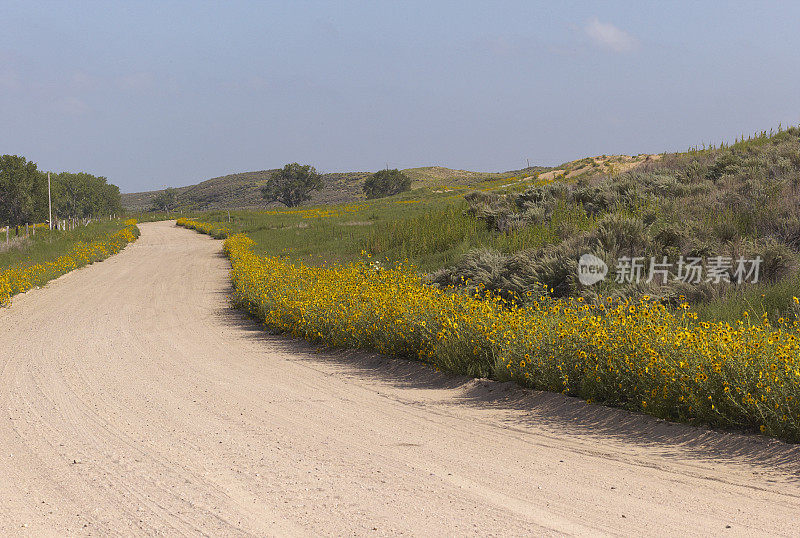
(134, 400)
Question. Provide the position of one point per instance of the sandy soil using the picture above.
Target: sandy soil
(619, 164)
(133, 400)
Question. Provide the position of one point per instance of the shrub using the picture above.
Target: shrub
(386, 183)
(671, 234)
(695, 172)
(779, 261)
(622, 234)
(727, 163)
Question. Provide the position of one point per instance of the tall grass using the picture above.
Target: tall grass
(431, 230)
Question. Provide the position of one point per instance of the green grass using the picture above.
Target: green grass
(428, 227)
(776, 300)
(424, 226)
(48, 245)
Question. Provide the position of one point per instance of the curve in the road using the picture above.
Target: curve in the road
(133, 399)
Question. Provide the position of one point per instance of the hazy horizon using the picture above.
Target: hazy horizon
(170, 94)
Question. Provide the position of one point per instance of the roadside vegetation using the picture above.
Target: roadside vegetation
(633, 353)
(37, 259)
(484, 281)
(428, 226)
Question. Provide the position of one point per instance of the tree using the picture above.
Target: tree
(386, 183)
(20, 186)
(84, 195)
(292, 185)
(23, 193)
(166, 200)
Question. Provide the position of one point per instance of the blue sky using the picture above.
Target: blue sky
(152, 94)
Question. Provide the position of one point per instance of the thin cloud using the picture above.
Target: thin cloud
(136, 82)
(71, 106)
(82, 81)
(609, 37)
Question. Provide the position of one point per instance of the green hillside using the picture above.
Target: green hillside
(241, 191)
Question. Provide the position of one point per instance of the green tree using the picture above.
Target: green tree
(292, 185)
(166, 200)
(20, 186)
(386, 183)
(84, 195)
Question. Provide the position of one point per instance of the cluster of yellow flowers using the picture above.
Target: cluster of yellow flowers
(635, 354)
(215, 230)
(17, 280)
(318, 212)
(5, 290)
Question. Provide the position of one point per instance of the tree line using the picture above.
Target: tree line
(23, 193)
(293, 184)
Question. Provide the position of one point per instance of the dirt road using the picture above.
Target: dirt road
(133, 400)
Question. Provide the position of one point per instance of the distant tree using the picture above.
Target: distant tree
(23, 193)
(292, 185)
(166, 200)
(386, 183)
(20, 190)
(84, 195)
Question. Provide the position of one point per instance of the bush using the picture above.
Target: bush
(386, 183)
(726, 163)
(622, 235)
(779, 261)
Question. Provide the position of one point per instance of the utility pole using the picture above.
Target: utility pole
(49, 201)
